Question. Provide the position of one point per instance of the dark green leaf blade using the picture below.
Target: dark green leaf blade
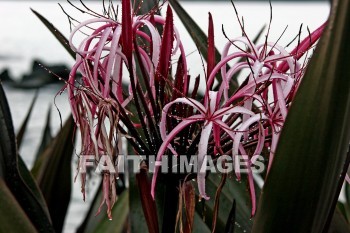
(28, 179)
(46, 135)
(199, 225)
(230, 224)
(13, 218)
(8, 150)
(231, 191)
(91, 221)
(100, 223)
(302, 185)
(24, 125)
(9, 171)
(120, 211)
(51, 166)
(59, 36)
(339, 224)
(347, 201)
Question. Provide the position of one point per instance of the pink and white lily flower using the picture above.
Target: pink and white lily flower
(96, 100)
(261, 103)
(211, 116)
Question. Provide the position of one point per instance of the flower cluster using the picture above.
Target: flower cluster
(127, 90)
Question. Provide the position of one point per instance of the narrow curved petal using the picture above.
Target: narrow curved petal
(202, 152)
(166, 143)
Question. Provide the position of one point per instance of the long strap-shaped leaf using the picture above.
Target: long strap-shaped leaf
(24, 125)
(13, 218)
(54, 162)
(59, 36)
(17, 178)
(302, 183)
(100, 223)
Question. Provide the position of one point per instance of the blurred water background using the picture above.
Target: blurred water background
(24, 38)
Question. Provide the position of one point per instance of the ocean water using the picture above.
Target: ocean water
(24, 38)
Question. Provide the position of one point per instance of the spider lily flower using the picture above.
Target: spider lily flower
(210, 115)
(110, 55)
(261, 103)
(98, 101)
(274, 77)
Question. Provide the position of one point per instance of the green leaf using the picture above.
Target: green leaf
(232, 190)
(9, 171)
(46, 135)
(120, 211)
(24, 125)
(341, 208)
(59, 36)
(13, 218)
(231, 220)
(302, 185)
(31, 184)
(8, 150)
(347, 198)
(52, 165)
(339, 224)
(199, 225)
(100, 223)
(90, 221)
